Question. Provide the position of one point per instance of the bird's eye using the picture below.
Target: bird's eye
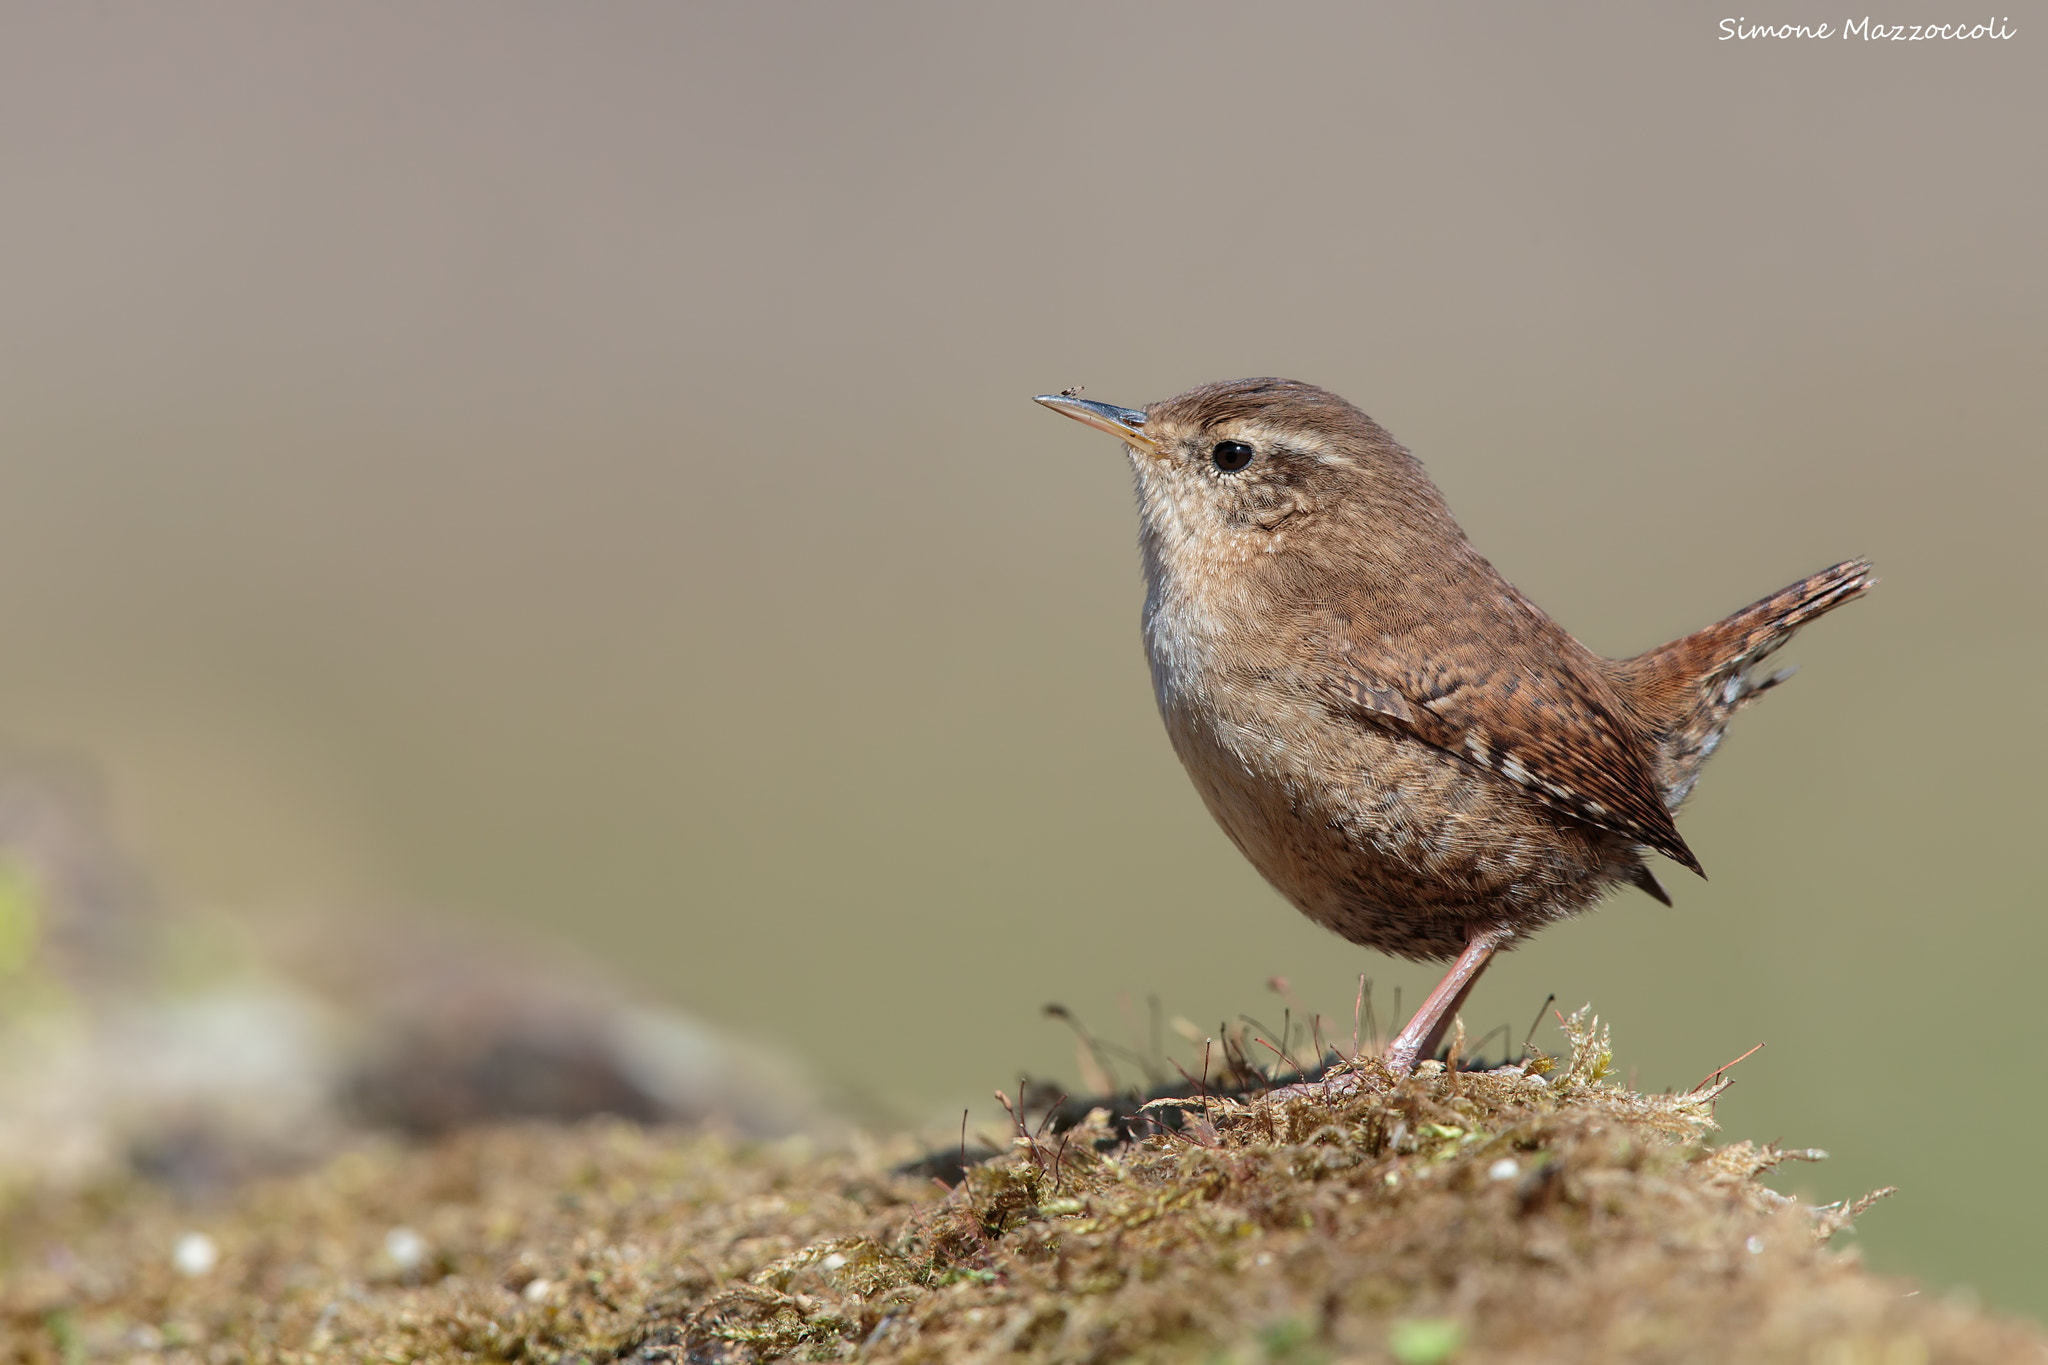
(1231, 456)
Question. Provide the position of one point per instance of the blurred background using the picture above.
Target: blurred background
(567, 474)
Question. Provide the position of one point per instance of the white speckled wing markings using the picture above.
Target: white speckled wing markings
(1557, 736)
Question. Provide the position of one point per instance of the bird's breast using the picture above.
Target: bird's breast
(1241, 731)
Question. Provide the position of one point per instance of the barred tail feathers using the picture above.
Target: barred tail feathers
(1687, 690)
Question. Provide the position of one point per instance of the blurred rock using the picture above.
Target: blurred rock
(192, 1051)
(456, 1029)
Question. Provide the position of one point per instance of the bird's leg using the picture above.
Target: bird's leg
(1425, 1032)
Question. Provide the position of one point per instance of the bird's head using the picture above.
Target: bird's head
(1265, 470)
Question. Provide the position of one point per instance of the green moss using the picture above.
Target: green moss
(1424, 1341)
(1455, 1217)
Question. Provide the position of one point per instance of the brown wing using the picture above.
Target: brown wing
(1521, 706)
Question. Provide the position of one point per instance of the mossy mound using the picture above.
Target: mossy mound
(1535, 1213)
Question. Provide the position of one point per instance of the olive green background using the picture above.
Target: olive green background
(570, 468)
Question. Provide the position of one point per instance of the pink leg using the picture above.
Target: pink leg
(1424, 1034)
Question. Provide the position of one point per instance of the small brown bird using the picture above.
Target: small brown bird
(1405, 746)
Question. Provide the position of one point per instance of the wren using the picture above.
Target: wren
(1406, 747)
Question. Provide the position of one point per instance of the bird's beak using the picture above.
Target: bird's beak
(1126, 424)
